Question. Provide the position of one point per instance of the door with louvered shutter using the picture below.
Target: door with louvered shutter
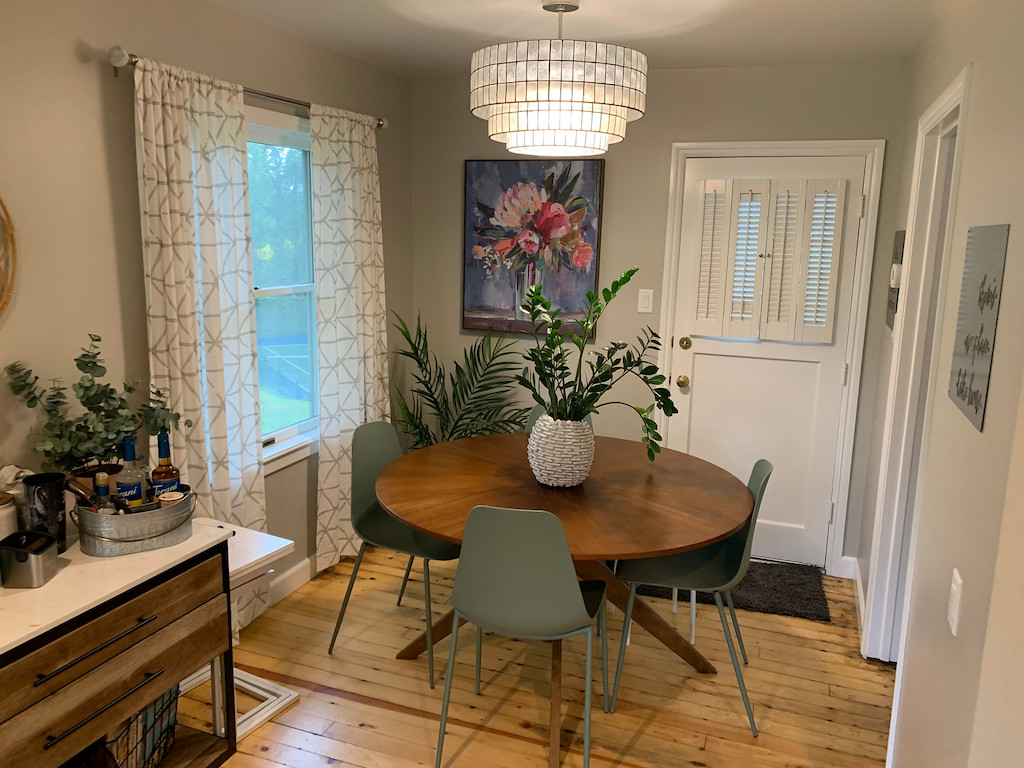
(767, 358)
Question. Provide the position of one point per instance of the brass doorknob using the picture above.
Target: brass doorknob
(682, 382)
(685, 342)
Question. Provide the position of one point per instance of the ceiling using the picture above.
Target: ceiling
(419, 37)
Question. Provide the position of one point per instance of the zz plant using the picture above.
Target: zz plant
(95, 434)
(474, 399)
(571, 389)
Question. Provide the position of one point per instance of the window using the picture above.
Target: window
(282, 259)
(768, 259)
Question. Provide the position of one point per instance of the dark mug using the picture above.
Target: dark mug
(45, 507)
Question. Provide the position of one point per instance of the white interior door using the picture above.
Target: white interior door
(765, 296)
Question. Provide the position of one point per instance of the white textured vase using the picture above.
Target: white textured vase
(560, 452)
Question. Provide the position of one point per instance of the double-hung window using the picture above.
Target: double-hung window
(282, 264)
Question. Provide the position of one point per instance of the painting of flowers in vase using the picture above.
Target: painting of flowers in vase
(529, 222)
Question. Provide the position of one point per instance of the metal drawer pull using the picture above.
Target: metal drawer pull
(41, 678)
(52, 741)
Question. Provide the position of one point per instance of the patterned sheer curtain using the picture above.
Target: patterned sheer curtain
(191, 152)
(351, 315)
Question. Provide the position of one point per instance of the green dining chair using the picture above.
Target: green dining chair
(374, 446)
(716, 568)
(516, 578)
(538, 410)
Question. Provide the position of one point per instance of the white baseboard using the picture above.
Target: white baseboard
(861, 596)
(286, 583)
(845, 568)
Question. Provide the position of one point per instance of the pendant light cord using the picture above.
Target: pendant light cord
(560, 14)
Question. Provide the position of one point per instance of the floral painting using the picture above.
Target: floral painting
(529, 222)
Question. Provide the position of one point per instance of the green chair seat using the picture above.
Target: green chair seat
(716, 568)
(516, 578)
(374, 446)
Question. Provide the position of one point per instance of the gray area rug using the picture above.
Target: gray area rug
(780, 588)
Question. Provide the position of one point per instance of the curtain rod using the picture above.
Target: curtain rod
(119, 57)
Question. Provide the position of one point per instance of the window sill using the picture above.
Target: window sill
(284, 453)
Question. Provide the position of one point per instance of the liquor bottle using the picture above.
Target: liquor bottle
(103, 505)
(166, 476)
(132, 479)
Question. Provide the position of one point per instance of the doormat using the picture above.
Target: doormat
(784, 589)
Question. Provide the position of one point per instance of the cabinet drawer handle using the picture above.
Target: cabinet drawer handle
(52, 741)
(41, 678)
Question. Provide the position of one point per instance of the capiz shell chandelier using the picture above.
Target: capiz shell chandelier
(558, 98)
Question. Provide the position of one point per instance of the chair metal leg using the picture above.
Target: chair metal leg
(675, 599)
(603, 624)
(479, 642)
(447, 688)
(555, 706)
(735, 662)
(693, 616)
(736, 624)
(430, 620)
(586, 698)
(626, 619)
(348, 594)
(405, 579)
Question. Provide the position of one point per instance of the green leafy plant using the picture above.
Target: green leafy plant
(569, 390)
(474, 399)
(95, 434)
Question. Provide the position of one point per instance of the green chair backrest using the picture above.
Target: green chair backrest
(516, 576)
(740, 542)
(539, 410)
(374, 446)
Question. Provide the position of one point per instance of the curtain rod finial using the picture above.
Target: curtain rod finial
(382, 123)
(119, 57)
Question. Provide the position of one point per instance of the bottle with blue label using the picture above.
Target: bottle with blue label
(166, 476)
(131, 480)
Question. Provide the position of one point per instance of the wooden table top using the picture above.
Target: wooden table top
(627, 508)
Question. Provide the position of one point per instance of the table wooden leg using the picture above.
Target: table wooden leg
(644, 615)
(440, 630)
(555, 720)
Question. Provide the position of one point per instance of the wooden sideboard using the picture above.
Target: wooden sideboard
(105, 638)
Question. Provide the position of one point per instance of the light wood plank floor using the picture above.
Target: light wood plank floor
(816, 701)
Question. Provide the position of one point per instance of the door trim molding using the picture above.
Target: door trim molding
(873, 151)
(907, 377)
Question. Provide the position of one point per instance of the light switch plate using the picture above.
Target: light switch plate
(645, 301)
(956, 591)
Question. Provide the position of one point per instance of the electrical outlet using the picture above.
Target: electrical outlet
(956, 591)
(645, 301)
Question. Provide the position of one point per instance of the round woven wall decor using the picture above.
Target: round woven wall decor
(8, 258)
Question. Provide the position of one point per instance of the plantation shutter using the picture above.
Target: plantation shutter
(709, 278)
(781, 264)
(745, 266)
(820, 272)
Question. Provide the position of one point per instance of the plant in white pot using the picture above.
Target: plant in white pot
(571, 384)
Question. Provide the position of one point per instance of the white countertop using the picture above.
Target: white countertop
(83, 582)
(249, 552)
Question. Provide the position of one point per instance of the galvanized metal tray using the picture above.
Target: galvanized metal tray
(113, 535)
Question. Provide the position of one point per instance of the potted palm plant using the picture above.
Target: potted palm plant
(571, 384)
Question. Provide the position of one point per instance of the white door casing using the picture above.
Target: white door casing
(747, 383)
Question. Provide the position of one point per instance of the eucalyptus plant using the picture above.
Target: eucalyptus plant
(477, 398)
(570, 390)
(95, 434)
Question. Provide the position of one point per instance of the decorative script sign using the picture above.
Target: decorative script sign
(980, 294)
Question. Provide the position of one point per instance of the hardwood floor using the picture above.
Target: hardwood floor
(816, 701)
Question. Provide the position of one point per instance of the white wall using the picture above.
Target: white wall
(67, 176)
(863, 100)
(965, 476)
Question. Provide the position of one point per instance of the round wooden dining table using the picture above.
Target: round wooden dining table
(628, 507)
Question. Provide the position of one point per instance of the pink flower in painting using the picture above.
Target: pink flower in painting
(529, 241)
(517, 205)
(582, 255)
(504, 246)
(553, 221)
(479, 252)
